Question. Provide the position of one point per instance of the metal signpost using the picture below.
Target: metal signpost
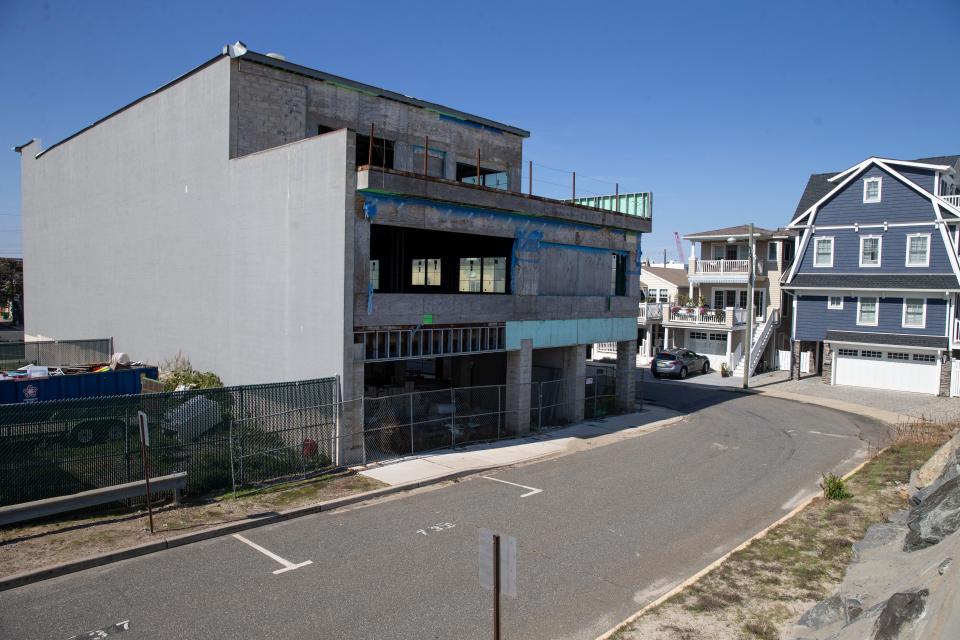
(144, 445)
(498, 570)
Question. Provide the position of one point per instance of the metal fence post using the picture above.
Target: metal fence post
(539, 406)
(453, 416)
(233, 477)
(499, 411)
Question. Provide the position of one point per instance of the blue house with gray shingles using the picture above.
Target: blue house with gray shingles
(875, 284)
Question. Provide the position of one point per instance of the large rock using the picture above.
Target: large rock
(901, 609)
(935, 518)
(877, 535)
(934, 467)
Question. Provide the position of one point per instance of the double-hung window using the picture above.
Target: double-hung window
(835, 302)
(871, 189)
(918, 250)
(868, 311)
(914, 313)
(823, 252)
(870, 247)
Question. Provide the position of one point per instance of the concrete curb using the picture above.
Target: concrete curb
(719, 561)
(37, 575)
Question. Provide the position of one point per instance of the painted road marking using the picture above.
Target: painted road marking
(436, 528)
(287, 565)
(831, 435)
(106, 632)
(531, 491)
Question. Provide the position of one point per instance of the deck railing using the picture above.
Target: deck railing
(727, 266)
(729, 317)
(649, 311)
(954, 200)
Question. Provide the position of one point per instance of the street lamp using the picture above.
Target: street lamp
(749, 337)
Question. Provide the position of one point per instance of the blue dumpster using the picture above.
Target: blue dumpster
(80, 385)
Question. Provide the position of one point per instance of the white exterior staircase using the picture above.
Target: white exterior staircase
(761, 337)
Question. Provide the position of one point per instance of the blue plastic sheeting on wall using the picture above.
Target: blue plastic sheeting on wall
(370, 209)
(82, 385)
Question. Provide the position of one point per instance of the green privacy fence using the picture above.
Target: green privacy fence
(221, 437)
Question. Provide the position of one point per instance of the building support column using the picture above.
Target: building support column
(574, 382)
(519, 388)
(350, 441)
(666, 337)
(626, 375)
(730, 364)
(648, 343)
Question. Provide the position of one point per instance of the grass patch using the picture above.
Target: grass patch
(71, 537)
(758, 591)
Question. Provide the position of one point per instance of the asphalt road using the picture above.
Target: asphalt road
(613, 527)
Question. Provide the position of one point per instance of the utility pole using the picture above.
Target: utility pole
(750, 276)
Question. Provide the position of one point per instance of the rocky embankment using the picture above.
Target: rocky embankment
(904, 581)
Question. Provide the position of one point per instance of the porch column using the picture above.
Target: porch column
(648, 343)
(519, 378)
(666, 337)
(626, 375)
(574, 382)
(729, 349)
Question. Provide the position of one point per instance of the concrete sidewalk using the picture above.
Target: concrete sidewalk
(562, 441)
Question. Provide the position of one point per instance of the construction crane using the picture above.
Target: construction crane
(680, 253)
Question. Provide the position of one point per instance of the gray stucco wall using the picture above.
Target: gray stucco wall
(143, 229)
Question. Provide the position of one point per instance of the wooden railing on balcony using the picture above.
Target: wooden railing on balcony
(727, 266)
(649, 311)
(729, 317)
(954, 200)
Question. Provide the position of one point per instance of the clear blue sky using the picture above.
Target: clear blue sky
(722, 109)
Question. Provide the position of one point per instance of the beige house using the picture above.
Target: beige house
(715, 322)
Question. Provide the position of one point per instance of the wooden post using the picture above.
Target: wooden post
(574, 186)
(496, 586)
(616, 195)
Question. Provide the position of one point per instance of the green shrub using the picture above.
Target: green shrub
(180, 373)
(834, 488)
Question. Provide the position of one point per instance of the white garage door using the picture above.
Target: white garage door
(882, 369)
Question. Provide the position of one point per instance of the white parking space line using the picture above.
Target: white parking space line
(287, 565)
(531, 491)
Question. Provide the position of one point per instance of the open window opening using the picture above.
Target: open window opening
(436, 159)
(427, 261)
(382, 152)
(493, 178)
(618, 274)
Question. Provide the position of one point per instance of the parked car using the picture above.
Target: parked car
(678, 362)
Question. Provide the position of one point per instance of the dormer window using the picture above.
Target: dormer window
(871, 189)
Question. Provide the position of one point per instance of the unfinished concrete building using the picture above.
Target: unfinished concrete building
(274, 222)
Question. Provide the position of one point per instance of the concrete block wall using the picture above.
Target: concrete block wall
(626, 375)
(519, 375)
(272, 104)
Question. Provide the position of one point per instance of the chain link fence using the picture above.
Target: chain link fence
(236, 436)
(222, 438)
(420, 421)
(14, 355)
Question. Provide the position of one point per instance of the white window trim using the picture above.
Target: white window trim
(816, 241)
(903, 318)
(879, 182)
(929, 249)
(776, 251)
(876, 315)
(833, 308)
(879, 252)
